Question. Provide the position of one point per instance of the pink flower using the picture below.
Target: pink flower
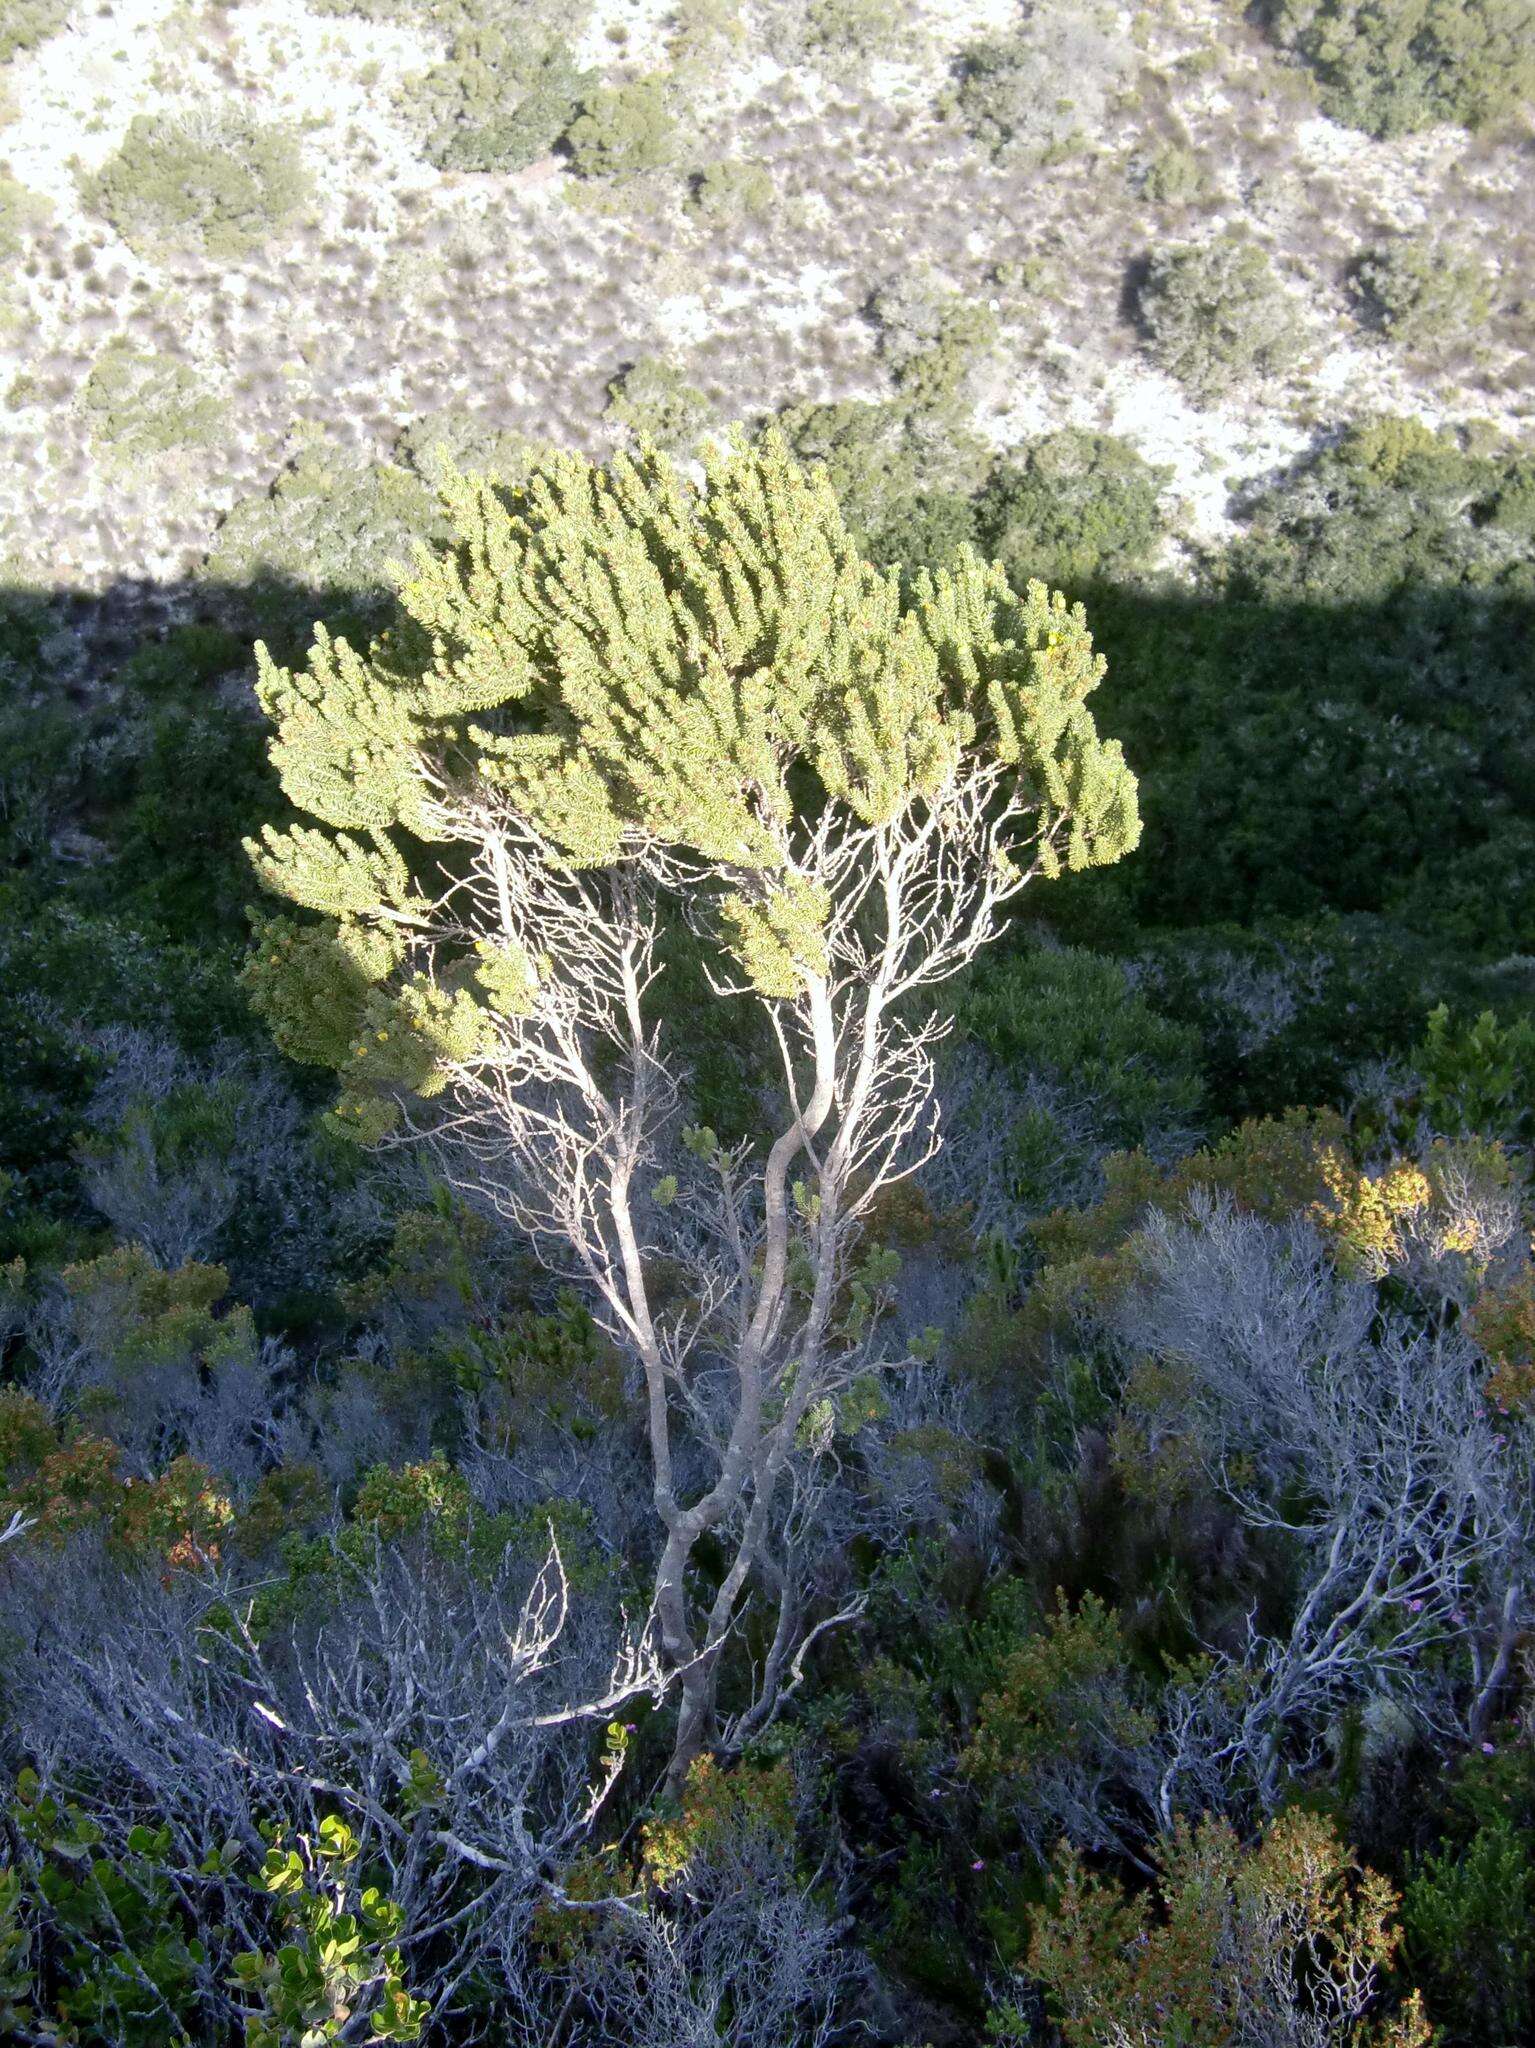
(1415, 1607)
(1489, 1749)
(979, 1863)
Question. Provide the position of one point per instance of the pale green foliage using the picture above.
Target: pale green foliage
(144, 404)
(933, 339)
(1390, 66)
(1425, 292)
(634, 661)
(622, 130)
(339, 1964)
(705, 33)
(220, 184)
(26, 23)
(656, 403)
(497, 103)
(1215, 314)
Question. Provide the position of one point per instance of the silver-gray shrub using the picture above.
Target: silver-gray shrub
(1356, 1437)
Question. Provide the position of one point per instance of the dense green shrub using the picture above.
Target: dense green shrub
(1071, 508)
(471, 439)
(495, 103)
(852, 28)
(144, 404)
(26, 23)
(1075, 1019)
(1469, 1913)
(1043, 89)
(730, 189)
(1424, 292)
(1215, 314)
(220, 184)
(933, 339)
(1175, 176)
(1394, 507)
(1389, 66)
(323, 536)
(656, 403)
(22, 212)
(187, 659)
(622, 130)
(866, 451)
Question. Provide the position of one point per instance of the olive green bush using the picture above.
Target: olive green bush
(140, 403)
(326, 532)
(1390, 66)
(1394, 507)
(26, 23)
(1075, 1019)
(1215, 314)
(655, 402)
(851, 28)
(496, 103)
(933, 340)
(219, 185)
(731, 190)
(1424, 292)
(622, 130)
(1175, 176)
(22, 211)
(1042, 90)
(1071, 508)
(1468, 1906)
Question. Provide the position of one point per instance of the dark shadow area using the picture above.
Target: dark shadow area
(1339, 806)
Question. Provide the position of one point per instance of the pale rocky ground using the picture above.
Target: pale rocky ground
(406, 292)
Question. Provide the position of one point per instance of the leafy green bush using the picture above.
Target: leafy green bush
(865, 450)
(1424, 292)
(1075, 1018)
(623, 130)
(1044, 89)
(1478, 1076)
(1390, 66)
(731, 189)
(852, 28)
(324, 535)
(655, 402)
(496, 103)
(1288, 1929)
(220, 184)
(144, 404)
(1469, 1913)
(21, 212)
(1071, 508)
(1215, 314)
(26, 23)
(933, 339)
(1393, 507)
(187, 659)
(1175, 176)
